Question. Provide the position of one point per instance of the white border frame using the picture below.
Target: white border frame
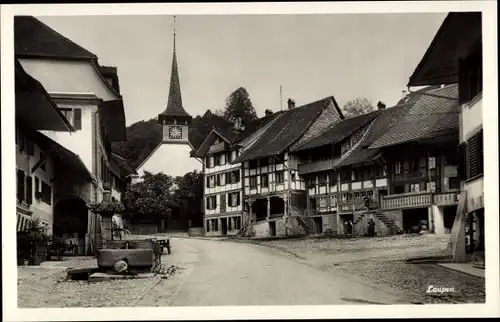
(490, 126)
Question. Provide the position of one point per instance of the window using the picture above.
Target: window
(454, 183)
(253, 164)
(221, 181)
(333, 200)
(293, 175)
(322, 180)
(431, 186)
(211, 202)
(46, 193)
(214, 223)
(253, 182)
(344, 176)
(233, 177)
(237, 222)
(217, 160)
(346, 197)
(414, 165)
(222, 158)
(42, 157)
(74, 116)
(29, 190)
(20, 185)
(358, 174)
(432, 163)
(37, 188)
(234, 199)
(211, 182)
(264, 162)
(353, 176)
(380, 171)
(208, 225)
(280, 177)
(415, 187)
(210, 162)
(475, 155)
(311, 181)
(397, 168)
(323, 202)
(264, 180)
(232, 155)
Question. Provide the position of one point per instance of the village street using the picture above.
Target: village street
(217, 272)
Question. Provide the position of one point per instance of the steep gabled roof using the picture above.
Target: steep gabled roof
(253, 126)
(385, 120)
(431, 116)
(459, 32)
(285, 130)
(338, 132)
(35, 39)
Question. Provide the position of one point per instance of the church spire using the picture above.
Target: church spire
(175, 110)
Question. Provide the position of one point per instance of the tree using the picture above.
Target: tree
(153, 196)
(239, 104)
(189, 196)
(357, 107)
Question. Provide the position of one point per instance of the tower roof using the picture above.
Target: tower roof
(174, 105)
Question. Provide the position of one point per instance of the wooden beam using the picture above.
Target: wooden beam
(42, 160)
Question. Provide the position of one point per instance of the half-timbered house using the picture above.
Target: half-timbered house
(223, 187)
(421, 159)
(274, 193)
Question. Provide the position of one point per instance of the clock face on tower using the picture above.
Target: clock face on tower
(175, 132)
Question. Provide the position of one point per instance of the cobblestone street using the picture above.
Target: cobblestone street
(381, 261)
(362, 270)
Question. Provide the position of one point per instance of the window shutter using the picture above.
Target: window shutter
(480, 153)
(29, 190)
(473, 157)
(77, 118)
(20, 185)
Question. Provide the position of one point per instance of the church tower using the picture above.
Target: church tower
(172, 155)
(175, 120)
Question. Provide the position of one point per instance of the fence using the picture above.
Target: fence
(143, 230)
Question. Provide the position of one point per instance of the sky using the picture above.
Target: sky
(311, 56)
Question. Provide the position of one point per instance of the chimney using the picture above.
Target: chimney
(268, 112)
(381, 105)
(238, 123)
(291, 103)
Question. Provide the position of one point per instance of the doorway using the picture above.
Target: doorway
(272, 228)
(318, 224)
(223, 224)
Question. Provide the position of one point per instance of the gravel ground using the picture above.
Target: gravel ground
(46, 286)
(381, 261)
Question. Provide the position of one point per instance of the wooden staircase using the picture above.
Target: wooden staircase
(388, 222)
(244, 229)
(307, 223)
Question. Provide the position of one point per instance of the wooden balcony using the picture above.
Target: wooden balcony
(407, 201)
(449, 198)
(317, 166)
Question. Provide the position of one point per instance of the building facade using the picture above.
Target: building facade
(455, 57)
(93, 107)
